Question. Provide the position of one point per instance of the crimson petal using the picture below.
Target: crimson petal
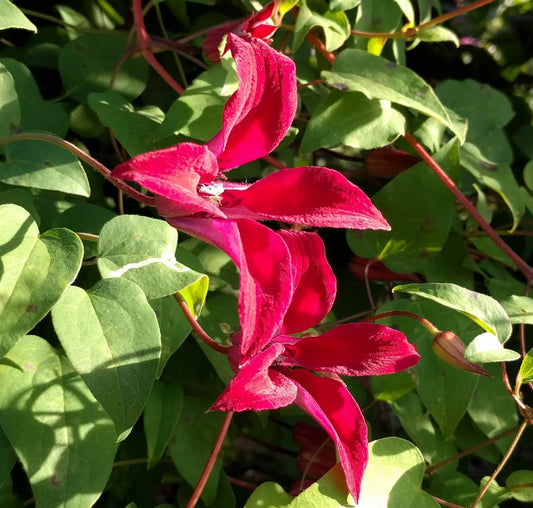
(315, 196)
(331, 404)
(355, 349)
(258, 115)
(314, 283)
(256, 386)
(265, 282)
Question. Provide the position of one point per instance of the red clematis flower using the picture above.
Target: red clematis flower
(260, 25)
(280, 373)
(192, 193)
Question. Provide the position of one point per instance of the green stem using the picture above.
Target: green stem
(211, 461)
(446, 503)
(446, 180)
(88, 236)
(85, 157)
(501, 464)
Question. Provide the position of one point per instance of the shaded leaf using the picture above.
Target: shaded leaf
(160, 417)
(520, 483)
(34, 271)
(392, 386)
(87, 63)
(9, 102)
(519, 309)
(63, 437)
(42, 165)
(437, 34)
(121, 365)
(419, 227)
(134, 129)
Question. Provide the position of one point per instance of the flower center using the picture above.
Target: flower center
(211, 191)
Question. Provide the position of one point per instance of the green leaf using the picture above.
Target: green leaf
(87, 64)
(370, 124)
(492, 408)
(482, 309)
(196, 430)
(444, 390)
(133, 128)
(519, 309)
(420, 428)
(42, 165)
(358, 71)
(160, 417)
(63, 437)
(7, 457)
(334, 24)
(198, 112)
(455, 487)
(174, 328)
(34, 271)
(120, 366)
(419, 227)
(486, 348)
(269, 494)
(526, 369)
(392, 386)
(520, 483)
(12, 17)
(437, 34)
(9, 102)
(142, 250)
(497, 177)
(394, 476)
(35, 113)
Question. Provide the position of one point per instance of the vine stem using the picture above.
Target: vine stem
(501, 464)
(85, 157)
(423, 321)
(319, 45)
(144, 42)
(446, 180)
(473, 449)
(457, 12)
(198, 330)
(446, 503)
(211, 460)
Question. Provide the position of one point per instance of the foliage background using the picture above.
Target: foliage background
(123, 421)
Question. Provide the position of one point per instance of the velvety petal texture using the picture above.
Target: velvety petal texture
(355, 349)
(331, 404)
(314, 196)
(314, 283)
(265, 279)
(258, 115)
(256, 386)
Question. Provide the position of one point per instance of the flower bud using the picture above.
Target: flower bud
(451, 349)
(388, 162)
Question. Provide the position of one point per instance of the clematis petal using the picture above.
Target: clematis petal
(160, 170)
(314, 196)
(264, 263)
(256, 386)
(355, 349)
(314, 283)
(258, 115)
(331, 404)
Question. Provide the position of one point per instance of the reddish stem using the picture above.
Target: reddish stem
(144, 42)
(198, 330)
(424, 322)
(446, 503)
(211, 461)
(78, 152)
(319, 45)
(273, 162)
(511, 254)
